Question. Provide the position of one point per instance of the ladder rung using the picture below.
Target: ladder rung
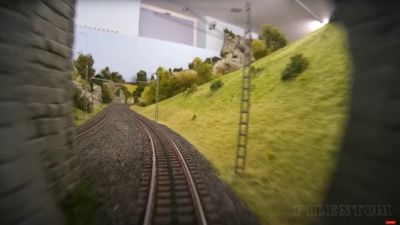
(244, 111)
(242, 128)
(241, 145)
(242, 134)
(239, 170)
(240, 157)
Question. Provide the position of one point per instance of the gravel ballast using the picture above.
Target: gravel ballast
(111, 161)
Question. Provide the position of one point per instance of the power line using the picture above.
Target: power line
(308, 10)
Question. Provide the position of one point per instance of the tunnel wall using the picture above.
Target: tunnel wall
(36, 122)
(367, 172)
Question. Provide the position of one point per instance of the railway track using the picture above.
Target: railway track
(171, 190)
(98, 121)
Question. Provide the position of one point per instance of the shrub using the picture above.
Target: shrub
(168, 84)
(298, 63)
(117, 77)
(78, 101)
(141, 79)
(148, 94)
(81, 62)
(81, 205)
(75, 74)
(142, 104)
(259, 49)
(185, 79)
(215, 85)
(204, 70)
(107, 74)
(81, 101)
(190, 90)
(118, 92)
(273, 38)
(254, 71)
(212, 60)
(106, 95)
(126, 93)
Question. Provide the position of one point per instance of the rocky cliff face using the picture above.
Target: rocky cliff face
(117, 93)
(83, 96)
(232, 54)
(81, 90)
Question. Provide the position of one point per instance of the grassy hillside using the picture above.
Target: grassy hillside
(295, 126)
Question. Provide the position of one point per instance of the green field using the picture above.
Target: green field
(295, 128)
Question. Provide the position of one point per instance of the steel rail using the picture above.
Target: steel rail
(95, 122)
(199, 210)
(192, 186)
(153, 183)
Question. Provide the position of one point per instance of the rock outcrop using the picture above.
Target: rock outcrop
(83, 96)
(232, 54)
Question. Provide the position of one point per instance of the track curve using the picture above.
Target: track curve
(173, 196)
(97, 122)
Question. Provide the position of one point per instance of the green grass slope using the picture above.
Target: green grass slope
(295, 128)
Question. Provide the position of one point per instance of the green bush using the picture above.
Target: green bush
(107, 74)
(84, 62)
(81, 102)
(168, 86)
(148, 94)
(143, 104)
(141, 79)
(273, 38)
(126, 93)
(118, 92)
(254, 71)
(259, 49)
(78, 101)
(204, 70)
(185, 79)
(298, 63)
(190, 90)
(82, 206)
(106, 95)
(212, 60)
(215, 85)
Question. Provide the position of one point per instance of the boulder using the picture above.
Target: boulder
(232, 52)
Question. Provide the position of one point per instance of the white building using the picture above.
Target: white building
(133, 35)
(129, 36)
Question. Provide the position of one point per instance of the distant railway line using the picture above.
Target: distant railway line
(100, 120)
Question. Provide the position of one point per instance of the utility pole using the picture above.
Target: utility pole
(241, 148)
(157, 93)
(91, 85)
(88, 87)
